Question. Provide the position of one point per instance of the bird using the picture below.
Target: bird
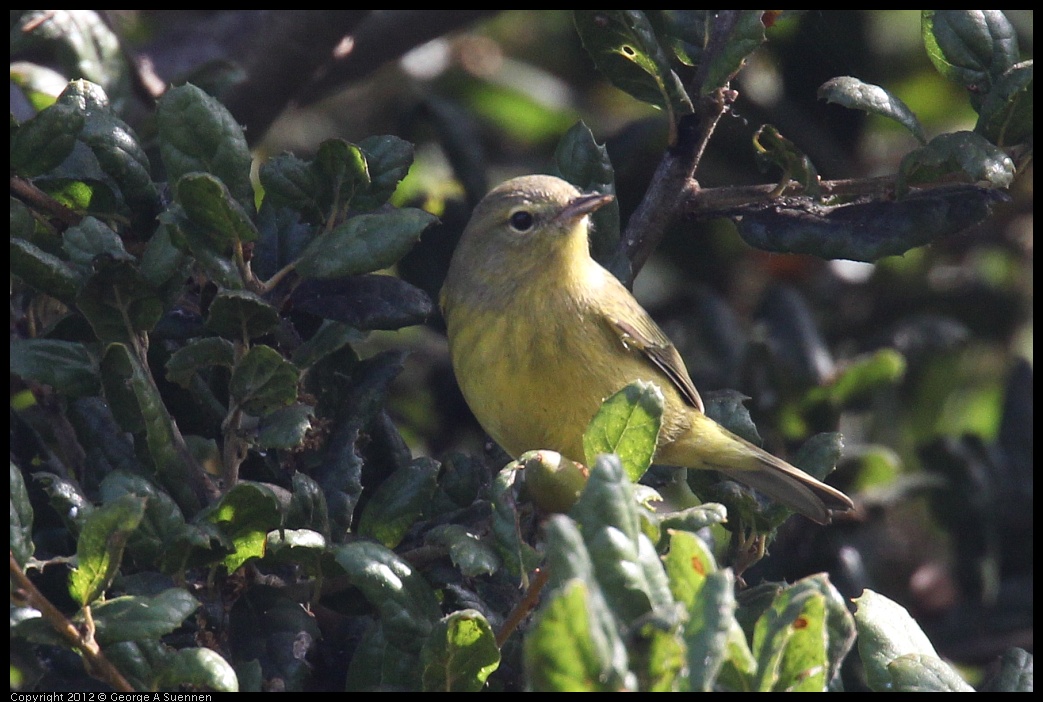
(540, 334)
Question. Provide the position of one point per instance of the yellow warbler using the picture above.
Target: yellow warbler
(540, 334)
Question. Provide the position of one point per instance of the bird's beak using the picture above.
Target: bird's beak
(582, 206)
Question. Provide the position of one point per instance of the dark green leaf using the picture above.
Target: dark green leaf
(263, 380)
(1006, 112)
(211, 207)
(583, 162)
(99, 549)
(363, 244)
(67, 500)
(388, 158)
(43, 271)
(1014, 674)
(82, 43)
(246, 514)
(963, 153)
(745, 36)
(308, 506)
(22, 223)
(399, 502)
(853, 93)
(203, 668)
(241, 315)
(518, 556)
(182, 365)
(364, 302)
(89, 239)
(970, 47)
(340, 174)
(197, 133)
(291, 182)
(115, 147)
(284, 428)
(627, 424)
(403, 599)
(66, 366)
(118, 302)
(137, 406)
(624, 47)
(459, 654)
(21, 532)
(331, 337)
(43, 142)
(469, 552)
(137, 617)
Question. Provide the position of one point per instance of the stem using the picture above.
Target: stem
(97, 665)
(522, 609)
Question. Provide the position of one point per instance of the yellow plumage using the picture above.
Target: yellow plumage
(540, 334)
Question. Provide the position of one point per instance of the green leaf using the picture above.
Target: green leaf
(1005, 117)
(43, 271)
(860, 378)
(628, 570)
(388, 159)
(627, 424)
(970, 47)
(460, 653)
(263, 381)
(66, 366)
(566, 650)
(624, 47)
(857, 95)
(886, 633)
(583, 162)
(470, 553)
(364, 302)
(403, 599)
(117, 154)
(340, 172)
(1014, 675)
(41, 144)
(518, 556)
(99, 549)
(291, 182)
(203, 668)
(79, 41)
(745, 37)
(792, 619)
(137, 406)
(963, 153)
(140, 617)
(771, 148)
(183, 364)
(363, 244)
(210, 206)
(399, 502)
(118, 302)
(21, 532)
(89, 239)
(67, 500)
(284, 428)
(197, 133)
(246, 514)
(241, 315)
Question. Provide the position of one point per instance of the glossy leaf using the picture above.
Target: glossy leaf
(198, 134)
(459, 654)
(21, 525)
(183, 364)
(66, 366)
(41, 144)
(964, 154)
(398, 502)
(263, 381)
(858, 95)
(627, 424)
(43, 271)
(363, 244)
(134, 618)
(241, 315)
(210, 206)
(99, 548)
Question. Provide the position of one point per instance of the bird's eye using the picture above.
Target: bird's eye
(521, 221)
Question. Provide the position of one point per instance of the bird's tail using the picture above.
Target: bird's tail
(710, 445)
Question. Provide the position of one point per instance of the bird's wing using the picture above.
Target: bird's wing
(644, 336)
